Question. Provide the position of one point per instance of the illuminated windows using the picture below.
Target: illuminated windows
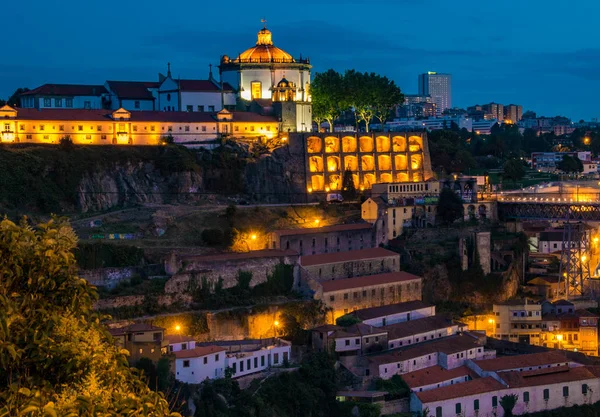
(256, 89)
(68, 102)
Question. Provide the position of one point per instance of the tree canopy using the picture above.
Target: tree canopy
(450, 207)
(514, 170)
(570, 164)
(55, 356)
(368, 95)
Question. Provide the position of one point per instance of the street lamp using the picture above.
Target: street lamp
(317, 221)
(177, 328)
(275, 326)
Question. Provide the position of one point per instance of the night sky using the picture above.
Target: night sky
(543, 54)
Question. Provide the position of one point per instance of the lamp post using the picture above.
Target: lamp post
(275, 326)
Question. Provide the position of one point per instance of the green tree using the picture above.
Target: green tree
(15, 99)
(360, 90)
(570, 164)
(450, 207)
(55, 356)
(507, 403)
(514, 170)
(328, 98)
(348, 188)
(387, 96)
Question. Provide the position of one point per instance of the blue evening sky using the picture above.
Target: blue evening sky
(543, 54)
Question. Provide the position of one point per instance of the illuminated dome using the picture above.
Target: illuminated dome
(264, 51)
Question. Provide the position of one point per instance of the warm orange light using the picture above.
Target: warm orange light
(583, 258)
(596, 240)
(276, 323)
(253, 237)
(327, 189)
(177, 327)
(586, 140)
(309, 189)
(317, 221)
(490, 321)
(362, 188)
(559, 337)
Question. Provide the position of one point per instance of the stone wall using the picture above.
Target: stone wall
(395, 407)
(111, 277)
(318, 242)
(133, 300)
(325, 272)
(191, 270)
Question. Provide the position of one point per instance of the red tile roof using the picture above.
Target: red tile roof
(324, 229)
(177, 338)
(505, 363)
(132, 89)
(353, 255)
(436, 374)
(67, 90)
(202, 86)
(367, 281)
(559, 375)
(474, 387)
(198, 352)
(382, 311)
(412, 327)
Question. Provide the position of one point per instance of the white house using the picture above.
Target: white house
(394, 313)
(537, 390)
(239, 357)
(178, 342)
(420, 330)
(529, 362)
(436, 377)
(203, 362)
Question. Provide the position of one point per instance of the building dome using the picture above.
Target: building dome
(264, 51)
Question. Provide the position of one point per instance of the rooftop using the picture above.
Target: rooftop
(133, 89)
(474, 387)
(555, 375)
(388, 310)
(202, 86)
(367, 281)
(198, 352)
(359, 329)
(349, 256)
(134, 328)
(67, 90)
(505, 363)
(178, 338)
(412, 327)
(326, 328)
(325, 229)
(518, 302)
(435, 375)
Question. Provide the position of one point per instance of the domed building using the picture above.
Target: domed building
(265, 72)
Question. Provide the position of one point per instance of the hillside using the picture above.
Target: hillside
(40, 179)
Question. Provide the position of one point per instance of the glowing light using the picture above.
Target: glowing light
(177, 327)
(596, 239)
(310, 189)
(253, 237)
(491, 321)
(327, 189)
(559, 337)
(276, 323)
(586, 140)
(317, 221)
(283, 139)
(583, 258)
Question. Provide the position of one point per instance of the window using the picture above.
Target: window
(331, 298)
(189, 108)
(47, 102)
(22, 127)
(205, 360)
(103, 137)
(170, 129)
(187, 128)
(251, 128)
(200, 108)
(345, 296)
(584, 389)
(262, 361)
(186, 364)
(152, 128)
(204, 128)
(256, 89)
(276, 358)
(476, 405)
(565, 391)
(241, 366)
(458, 408)
(357, 341)
(58, 102)
(217, 357)
(255, 362)
(546, 394)
(347, 342)
(69, 102)
(41, 127)
(211, 108)
(80, 128)
(526, 396)
(494, 401)
(249, 364)
(438, 411)
(136, 104)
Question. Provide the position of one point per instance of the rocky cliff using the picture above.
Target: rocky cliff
(89, 179)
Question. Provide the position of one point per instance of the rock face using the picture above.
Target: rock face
(129, 184)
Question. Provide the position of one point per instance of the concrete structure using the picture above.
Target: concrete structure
(141, 340)
(357, 339)
(123, 127)
(349, 264)
(177, 342)
(495, 109)
(399, 191)
(346, 295)
(394, 313)
(372, 157)
(439, 87)
(319, 240)
(420, 331)
(67, 96)
(484, 250)
(513, 113)
(239, 358)
(548, 161)
(518, 321)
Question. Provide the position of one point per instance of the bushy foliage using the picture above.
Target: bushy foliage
(213, 237)
(106, 255)
(450, 207)
(395, 387)
(347, 320)
(55, 357)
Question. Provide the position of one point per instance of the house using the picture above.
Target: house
(135, 95)
(65, 96)
(142, 340)
(436, 377)
(319, 240)
(214, 360)
(345, 295)
(420, 331)
(177, 342)
(527, 362)
(358, 339)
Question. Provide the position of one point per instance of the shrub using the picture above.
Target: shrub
(213, 237)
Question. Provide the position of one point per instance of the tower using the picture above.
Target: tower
(575, 258)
